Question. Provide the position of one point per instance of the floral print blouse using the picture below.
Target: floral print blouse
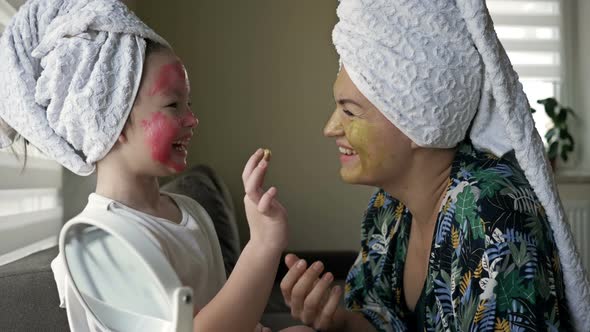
(493, 263)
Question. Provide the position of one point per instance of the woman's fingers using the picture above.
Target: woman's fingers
(290, 260)
(314, 302)
(326, 317)
(303, 287)
(291, 278)
(251, 164)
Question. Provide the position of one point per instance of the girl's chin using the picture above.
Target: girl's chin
(175, 168)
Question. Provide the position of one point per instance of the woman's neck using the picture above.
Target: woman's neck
(424, 186)
(127, 187)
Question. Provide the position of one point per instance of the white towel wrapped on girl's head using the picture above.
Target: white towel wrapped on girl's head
(69, 74)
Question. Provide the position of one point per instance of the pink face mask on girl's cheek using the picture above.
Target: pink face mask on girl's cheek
(161, 131)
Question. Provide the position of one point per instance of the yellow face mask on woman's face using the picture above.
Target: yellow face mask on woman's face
(372, 150)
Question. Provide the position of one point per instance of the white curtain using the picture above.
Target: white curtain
(532, 32)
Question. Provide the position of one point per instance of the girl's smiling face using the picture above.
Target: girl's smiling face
(161, 122)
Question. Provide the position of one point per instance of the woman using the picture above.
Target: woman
(467, 231)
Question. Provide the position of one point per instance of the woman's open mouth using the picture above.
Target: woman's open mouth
(347, 154)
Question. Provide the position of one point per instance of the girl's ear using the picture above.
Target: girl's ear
(122, 138)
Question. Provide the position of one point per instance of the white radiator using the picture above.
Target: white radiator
(578, 214)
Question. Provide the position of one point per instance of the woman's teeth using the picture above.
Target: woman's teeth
(346, 151)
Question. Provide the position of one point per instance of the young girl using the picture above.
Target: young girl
(93, 87)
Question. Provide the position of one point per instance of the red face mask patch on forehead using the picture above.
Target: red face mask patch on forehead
(171, 78)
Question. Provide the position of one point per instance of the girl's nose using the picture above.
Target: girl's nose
(189, 120)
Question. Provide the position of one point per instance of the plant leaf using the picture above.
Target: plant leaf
(563, 155)
(551, 133)
(550, 104)
(553, 147)
(561, 116)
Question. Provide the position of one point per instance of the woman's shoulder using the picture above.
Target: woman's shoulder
(495, 192)
(495, 182)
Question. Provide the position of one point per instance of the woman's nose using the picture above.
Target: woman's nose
(333, 127)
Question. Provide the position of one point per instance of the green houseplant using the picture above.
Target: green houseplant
(560, 142)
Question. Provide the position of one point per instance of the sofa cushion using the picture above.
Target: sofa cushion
(28, 298)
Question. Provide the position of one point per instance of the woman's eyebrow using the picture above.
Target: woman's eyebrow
(348, 101)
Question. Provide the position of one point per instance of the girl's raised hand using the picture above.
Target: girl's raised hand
(267, 218)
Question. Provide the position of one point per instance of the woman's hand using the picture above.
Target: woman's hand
(267, 218)
(261, 328)
(311, 298)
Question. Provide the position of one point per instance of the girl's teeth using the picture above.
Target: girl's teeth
(179, 147)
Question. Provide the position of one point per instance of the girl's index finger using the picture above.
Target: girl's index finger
(253, 185)
(251, 164)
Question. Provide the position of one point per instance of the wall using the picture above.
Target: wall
(262, 77)
(581, 80)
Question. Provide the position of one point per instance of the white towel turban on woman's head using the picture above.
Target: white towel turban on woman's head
(436, 69)
(69, 74)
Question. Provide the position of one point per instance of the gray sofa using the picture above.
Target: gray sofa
(28, 294)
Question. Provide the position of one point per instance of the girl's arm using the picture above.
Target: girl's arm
(240, 304)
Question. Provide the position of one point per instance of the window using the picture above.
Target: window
(531, 32)
(6, 12)
(31, 209)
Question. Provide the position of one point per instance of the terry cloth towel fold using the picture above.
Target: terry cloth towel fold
(69, 73)
(436, 69)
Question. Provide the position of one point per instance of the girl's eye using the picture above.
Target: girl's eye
(347, 112)
(172, 105)
(190, 104)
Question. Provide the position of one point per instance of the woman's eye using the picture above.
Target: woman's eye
(172, 105)
(190, 104)
(347, 112)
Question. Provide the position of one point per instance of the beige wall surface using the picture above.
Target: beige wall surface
(262, 74)
(581, 80)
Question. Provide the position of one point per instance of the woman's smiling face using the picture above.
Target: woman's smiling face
(372, 150)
